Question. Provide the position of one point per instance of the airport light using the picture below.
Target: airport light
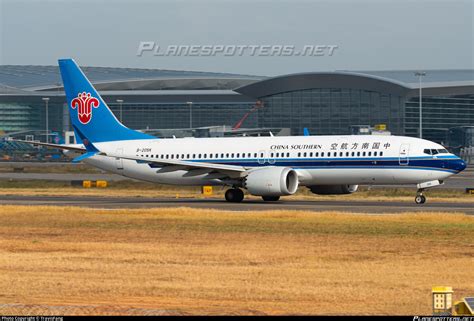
(46, 101)
(420, 75)
(190, 104)
(120, 102)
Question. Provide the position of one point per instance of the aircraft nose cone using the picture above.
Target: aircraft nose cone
(458, 165)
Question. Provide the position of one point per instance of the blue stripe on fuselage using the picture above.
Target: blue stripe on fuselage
(422, 163)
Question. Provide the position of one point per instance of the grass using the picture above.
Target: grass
(190, 261)
(131, 188)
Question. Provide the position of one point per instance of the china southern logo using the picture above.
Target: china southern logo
(84, 103)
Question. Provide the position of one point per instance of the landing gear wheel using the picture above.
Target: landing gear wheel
(420, 199)
(270, 198)
(234, 195)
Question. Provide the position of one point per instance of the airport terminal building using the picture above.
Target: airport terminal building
(327, 103)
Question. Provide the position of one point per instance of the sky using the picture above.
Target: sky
(369, 34)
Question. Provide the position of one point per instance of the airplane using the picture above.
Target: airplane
(269, 167)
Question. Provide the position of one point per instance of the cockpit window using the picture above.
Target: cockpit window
(435, 151)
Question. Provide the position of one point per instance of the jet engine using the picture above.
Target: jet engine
(272, 181)
(333, 189)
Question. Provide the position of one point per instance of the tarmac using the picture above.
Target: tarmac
(367, 207)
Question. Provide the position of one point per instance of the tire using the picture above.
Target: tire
(271, 198)
(234, 195)
(420, 199)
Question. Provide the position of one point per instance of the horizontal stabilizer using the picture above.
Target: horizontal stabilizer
(83, 156)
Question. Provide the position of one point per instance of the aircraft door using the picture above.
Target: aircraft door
(404, 154)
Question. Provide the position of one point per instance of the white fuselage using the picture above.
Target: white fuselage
(321, 160)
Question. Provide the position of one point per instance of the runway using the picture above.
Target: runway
(369, 207)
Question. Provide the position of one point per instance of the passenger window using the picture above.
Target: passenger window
(358, 153)
(167, 156)
(199, 156)
(375, 153)
(205, 156)
(381, 153)
(370, 154)
(255, 155)
(287, 154)
(322, 154)
(187, 156)
(232, 155)
(363, 154)
(347, 154)
(304, 154)
(340, 154)
(299, 154)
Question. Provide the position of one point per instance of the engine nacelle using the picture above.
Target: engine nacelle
(272, 181)
(333, 189)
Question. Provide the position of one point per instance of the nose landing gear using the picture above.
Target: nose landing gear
(420, 198)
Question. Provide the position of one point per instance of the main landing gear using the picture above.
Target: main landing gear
(234, 195)
(420, 198)
(270, 198)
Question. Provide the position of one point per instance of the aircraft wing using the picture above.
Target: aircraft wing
(166, 165)
(76, 147)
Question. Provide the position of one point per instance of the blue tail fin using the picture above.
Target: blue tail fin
(90, 115)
